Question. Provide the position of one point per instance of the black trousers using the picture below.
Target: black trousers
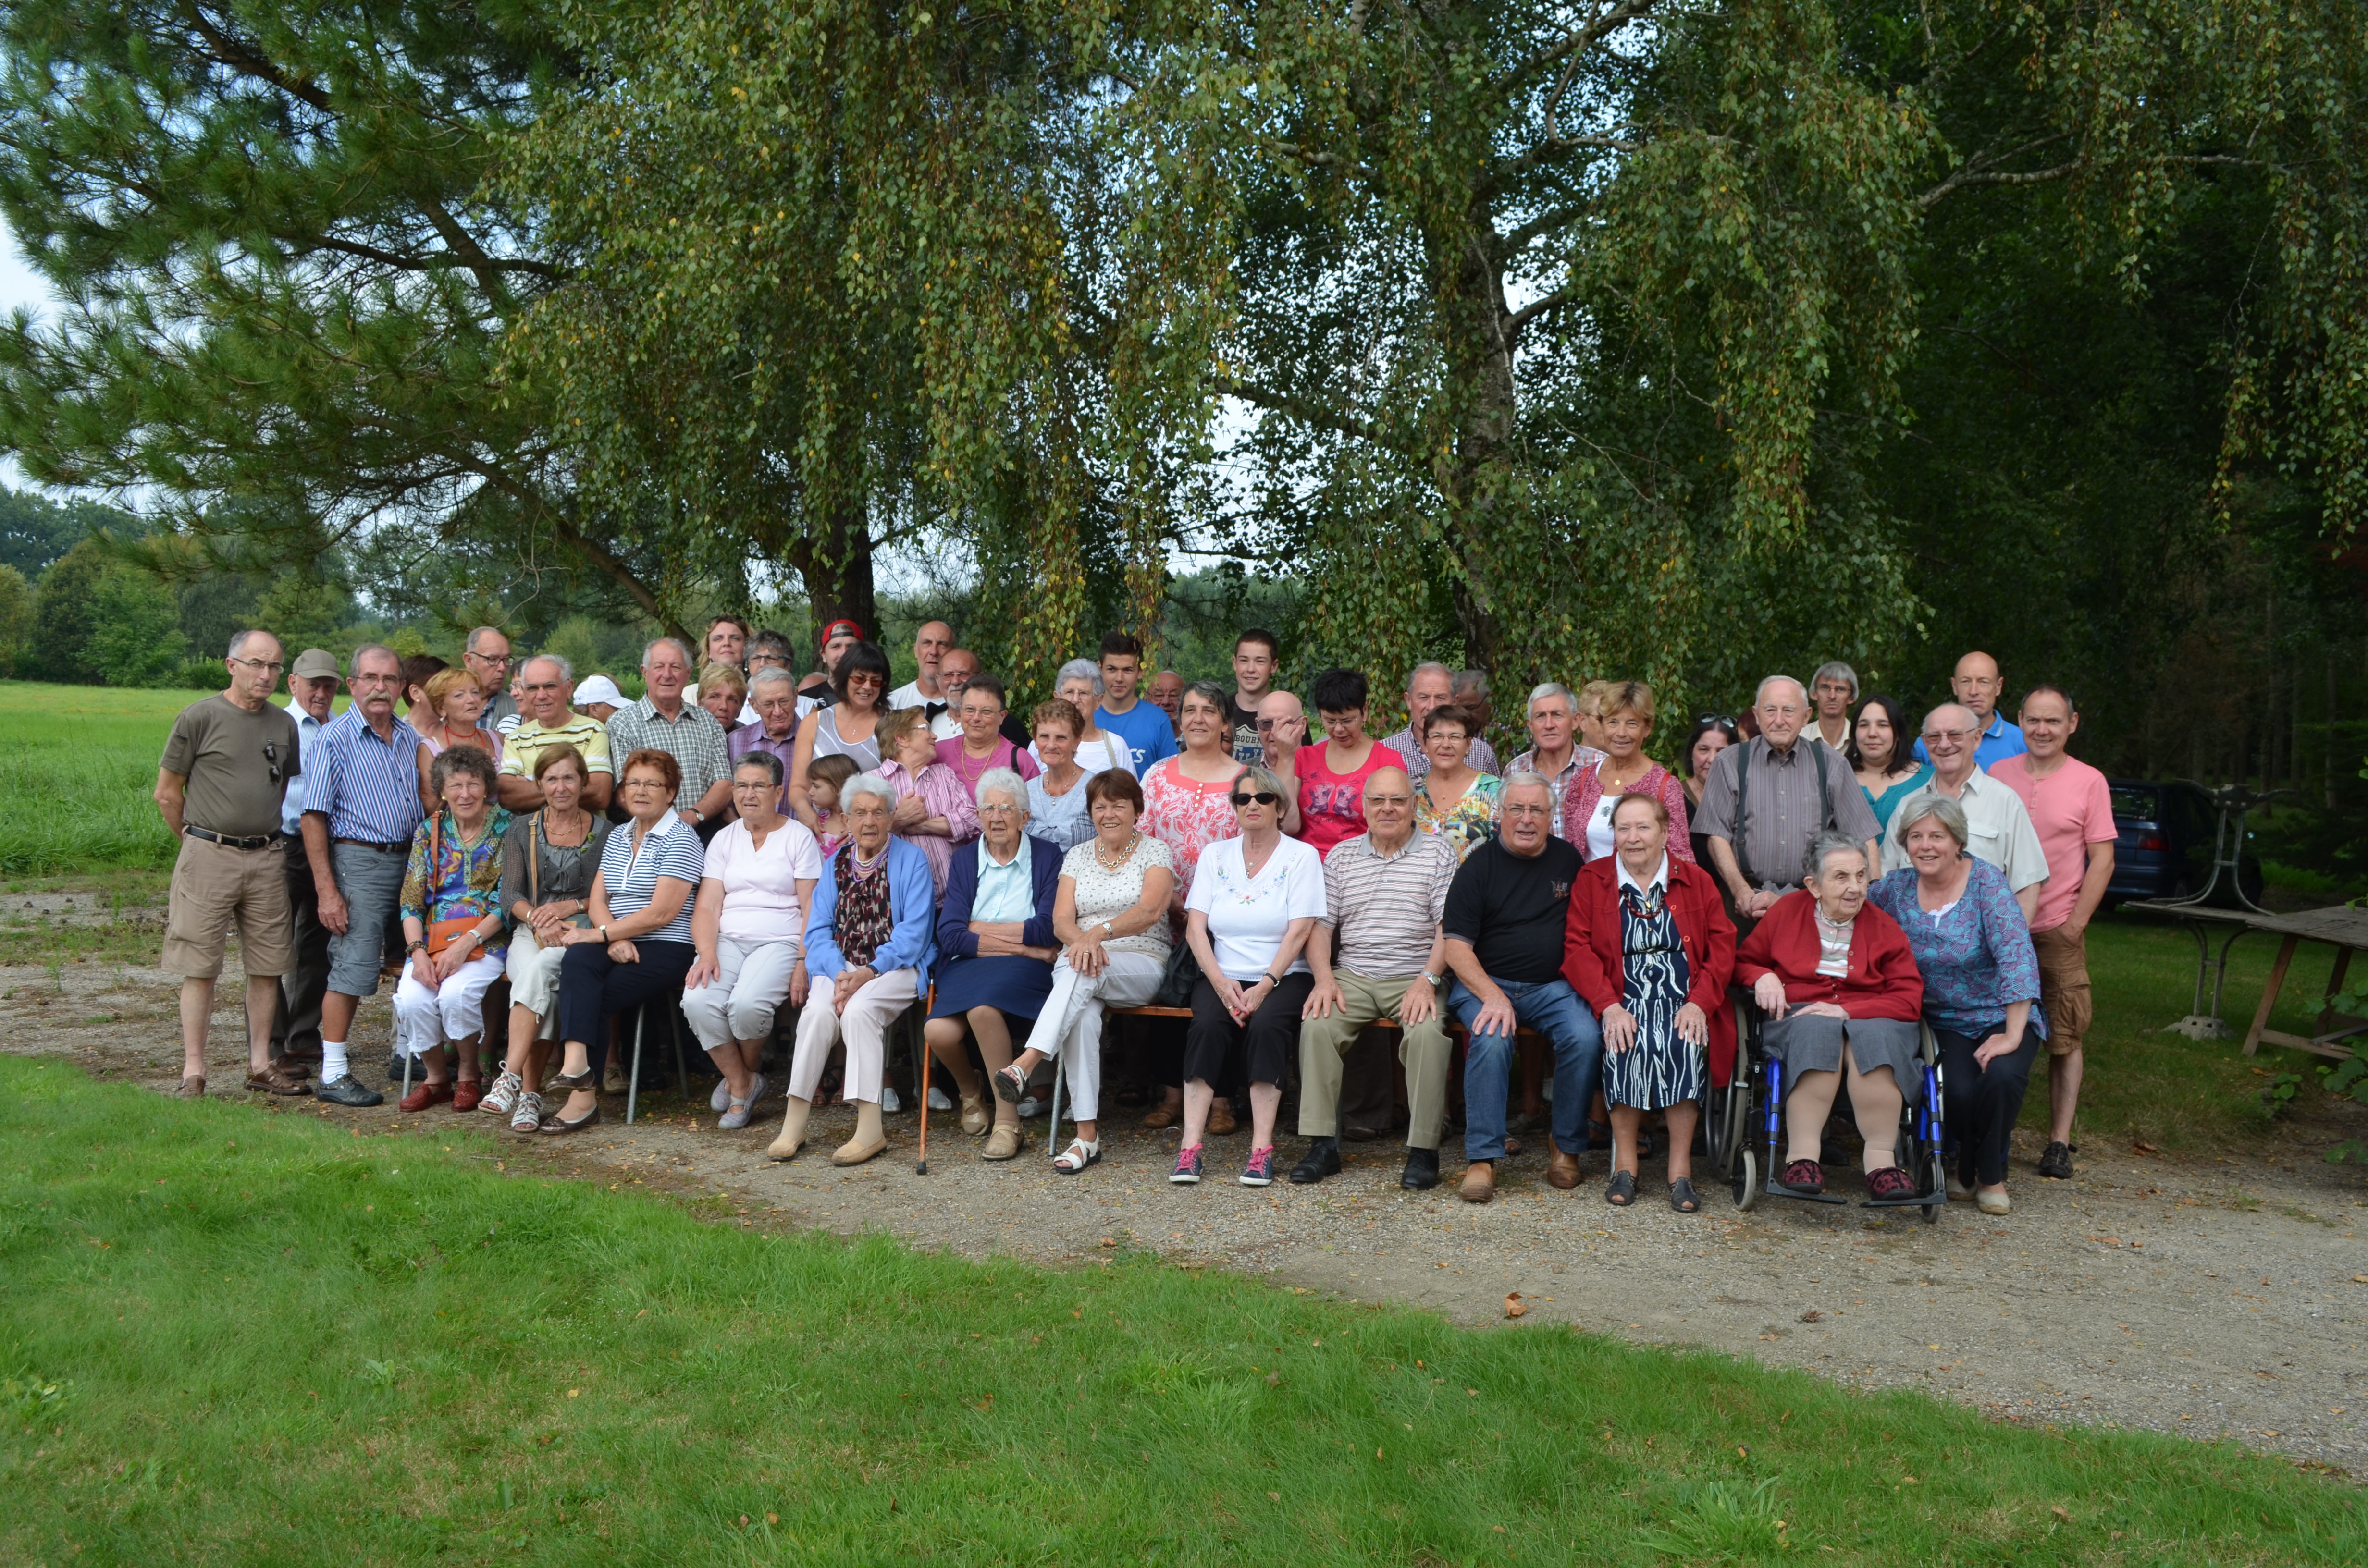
(1268, 1040)
(296, 1021)
(1981, 1107)
(592, 985)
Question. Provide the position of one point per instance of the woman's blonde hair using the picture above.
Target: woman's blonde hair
(444, 682)
(724, 676)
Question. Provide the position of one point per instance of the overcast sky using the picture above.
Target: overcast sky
(19, 285)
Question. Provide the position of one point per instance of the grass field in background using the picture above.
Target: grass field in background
(237, 1338)
(77, 769)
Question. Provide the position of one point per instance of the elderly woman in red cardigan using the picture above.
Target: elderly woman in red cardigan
(1627, 722)
(1647, 945)
(1839, 983)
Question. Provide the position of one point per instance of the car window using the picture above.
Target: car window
(2134, 806)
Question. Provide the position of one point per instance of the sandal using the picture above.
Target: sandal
(1077, 1157)
(1683, 1196)
(1622, 1191)
(1010, 1085)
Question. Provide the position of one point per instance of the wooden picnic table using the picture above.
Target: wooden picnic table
(2342, 926)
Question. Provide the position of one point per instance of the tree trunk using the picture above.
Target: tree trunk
(1471, 302)
(837, 571)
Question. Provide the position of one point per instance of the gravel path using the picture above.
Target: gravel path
(2207, 1297)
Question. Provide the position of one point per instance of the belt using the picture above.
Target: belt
(260, 841)
(380, 846)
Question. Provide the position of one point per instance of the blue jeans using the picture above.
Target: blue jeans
(1553, 1009)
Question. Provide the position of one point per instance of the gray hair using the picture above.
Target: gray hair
(1473, 681)
(556, 661)
(864, 784)
(1078, 669)
(677, 643)
(1428, 666)
(770, 674)
(354, 667)
(1261, 777)
(1005, 781)
(1940, 809)
(1528, 778)
(1834, 669)
(1218, 697)
(1544, 690)
(462, 758)
(1761, 689)
(238, 640)
(1830, 841)
(470, 644)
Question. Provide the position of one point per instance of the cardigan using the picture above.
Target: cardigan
(957, 941)
(912, 905)
(1597, 967)
(1883, 982)
(1585, 792)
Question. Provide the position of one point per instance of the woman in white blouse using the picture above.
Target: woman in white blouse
(750, 926)
(1111, 917)
(1079, 684)
(1255, 901)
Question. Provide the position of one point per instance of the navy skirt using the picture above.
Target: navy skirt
(1017, 985)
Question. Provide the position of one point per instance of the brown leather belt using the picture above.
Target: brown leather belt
(260, 841)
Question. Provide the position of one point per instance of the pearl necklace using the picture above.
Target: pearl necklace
(1134, 841)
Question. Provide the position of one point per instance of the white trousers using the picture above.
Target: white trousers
(425, 1017)
(751, 983)
(864, 1027)
(1070, 1026)
(534, 979)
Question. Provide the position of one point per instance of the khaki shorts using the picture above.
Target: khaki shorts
(215, 888)
(2064, 987)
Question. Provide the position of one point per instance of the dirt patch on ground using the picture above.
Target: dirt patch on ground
(2207, 1297)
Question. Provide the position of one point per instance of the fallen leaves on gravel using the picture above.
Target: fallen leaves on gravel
(1514, 1305)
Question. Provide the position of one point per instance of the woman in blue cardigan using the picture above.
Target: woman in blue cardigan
(995, 930)
(869, 949)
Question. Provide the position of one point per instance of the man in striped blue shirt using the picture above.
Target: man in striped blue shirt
(362, 805)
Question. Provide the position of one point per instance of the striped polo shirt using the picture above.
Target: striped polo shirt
(1388, 908)
(368, 788)
(630, 874)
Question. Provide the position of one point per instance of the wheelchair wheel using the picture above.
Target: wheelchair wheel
(1746, 1183)
(1936, 1178)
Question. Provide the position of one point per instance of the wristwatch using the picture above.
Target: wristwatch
(1436, 980)
(604, 932)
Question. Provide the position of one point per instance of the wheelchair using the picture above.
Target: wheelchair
(1752, 1102)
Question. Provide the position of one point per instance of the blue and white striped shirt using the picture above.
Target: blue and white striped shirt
(368, 788)
(629, 875)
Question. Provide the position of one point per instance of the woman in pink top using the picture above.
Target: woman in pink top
(1332, 776)
(933, 809)
(1625, 720)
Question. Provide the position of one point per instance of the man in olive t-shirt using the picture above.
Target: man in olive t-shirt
(226, 765)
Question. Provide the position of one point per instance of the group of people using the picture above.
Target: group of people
(851, 851)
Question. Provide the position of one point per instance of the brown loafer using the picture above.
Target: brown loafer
(1162, 1117)
(1479, 1182)
(1562, 1170)
(272, 1081)
(193, 1087)
(422, 1096)
(1220, 1120)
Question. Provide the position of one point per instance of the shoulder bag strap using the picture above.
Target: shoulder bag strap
(534, 865)
(1742, 806)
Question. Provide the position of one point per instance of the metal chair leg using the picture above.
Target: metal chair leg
(674, 1028)
(634, 1079)
(1053, 1127)
(921, 1164)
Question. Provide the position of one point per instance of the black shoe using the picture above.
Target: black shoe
(1323, 1159)
(1421, 1170)
(2056, 1162)
(347, 1090)
(395, 1069)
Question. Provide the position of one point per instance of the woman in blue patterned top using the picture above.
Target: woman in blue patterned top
(638, 945)
(453, 933)
(1981, 987)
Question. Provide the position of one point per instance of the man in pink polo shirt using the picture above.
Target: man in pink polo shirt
(2073, 813)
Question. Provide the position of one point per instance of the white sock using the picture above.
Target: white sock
(333, 1061)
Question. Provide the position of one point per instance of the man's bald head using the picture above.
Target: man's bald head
(1978, 685)
(1389, 807)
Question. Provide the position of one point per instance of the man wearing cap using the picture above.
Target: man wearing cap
(837, 638)
(296, 1020)
(549, 722)
(361, 804)
(598, 698)
(218, 786)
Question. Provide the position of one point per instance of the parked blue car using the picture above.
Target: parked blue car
(2163, 844)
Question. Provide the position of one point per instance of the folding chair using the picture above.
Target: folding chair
(673, 1004)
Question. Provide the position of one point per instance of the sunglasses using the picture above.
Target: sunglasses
(1263, 797)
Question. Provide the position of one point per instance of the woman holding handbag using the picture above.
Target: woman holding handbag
(452, 928)
(547, 868)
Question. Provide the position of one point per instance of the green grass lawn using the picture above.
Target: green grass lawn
(77, 765)
(237, 1337)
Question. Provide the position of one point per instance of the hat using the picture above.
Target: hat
(315, 663)
(840, 628)
(597, 688)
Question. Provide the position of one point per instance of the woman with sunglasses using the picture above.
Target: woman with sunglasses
(1253, 905)
(848, 727)
(1188, 806)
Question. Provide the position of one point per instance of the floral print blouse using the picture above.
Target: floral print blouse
(1975, 955)
(463, 881)
(1187, 816)
(1466, 824)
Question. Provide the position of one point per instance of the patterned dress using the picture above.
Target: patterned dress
(457, 880)
(1661, 1068)
(1466, 824)
(1187, 815)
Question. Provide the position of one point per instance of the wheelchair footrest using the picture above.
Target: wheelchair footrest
(1776, 1189)
(1915, 1202)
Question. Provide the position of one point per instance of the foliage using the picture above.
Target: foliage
(34, 530)
(17, 620)
(135, 634)
(64, 613)
(554, 1370)
(2349, 1077)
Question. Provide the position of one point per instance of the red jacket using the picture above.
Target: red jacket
(1593, 963)
(1883, 982)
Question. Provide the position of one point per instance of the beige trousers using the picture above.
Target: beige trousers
(863, 1026)
(1323, 1044)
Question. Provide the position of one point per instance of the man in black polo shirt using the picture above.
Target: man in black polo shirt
(1504, 930)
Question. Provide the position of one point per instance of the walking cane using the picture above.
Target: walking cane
(922, 1166)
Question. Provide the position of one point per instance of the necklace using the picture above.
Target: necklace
(1134, 841)
(580, 825)
(1264, 856)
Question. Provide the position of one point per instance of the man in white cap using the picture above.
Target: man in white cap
(598, 697)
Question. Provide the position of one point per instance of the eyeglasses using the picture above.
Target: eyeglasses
(1529, 811)
(272, 665)
(502, 659)
(997, 811)
(1946, 735)
(1263, 797)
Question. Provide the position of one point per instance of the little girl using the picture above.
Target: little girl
(825, 777)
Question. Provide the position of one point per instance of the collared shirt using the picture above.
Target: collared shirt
(1816, 732)
(1479, 755)
(368, 788)
(2000, 827)
(691, 737)
(1007, 890)
(526, 744)
(1660, 878)
(292, 804)
(1387, 907)
(2000, 741)
(629, 871)
(501, 714)
(749, 739)
(2072, 810)
(1782, 816)
(1581, 758)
